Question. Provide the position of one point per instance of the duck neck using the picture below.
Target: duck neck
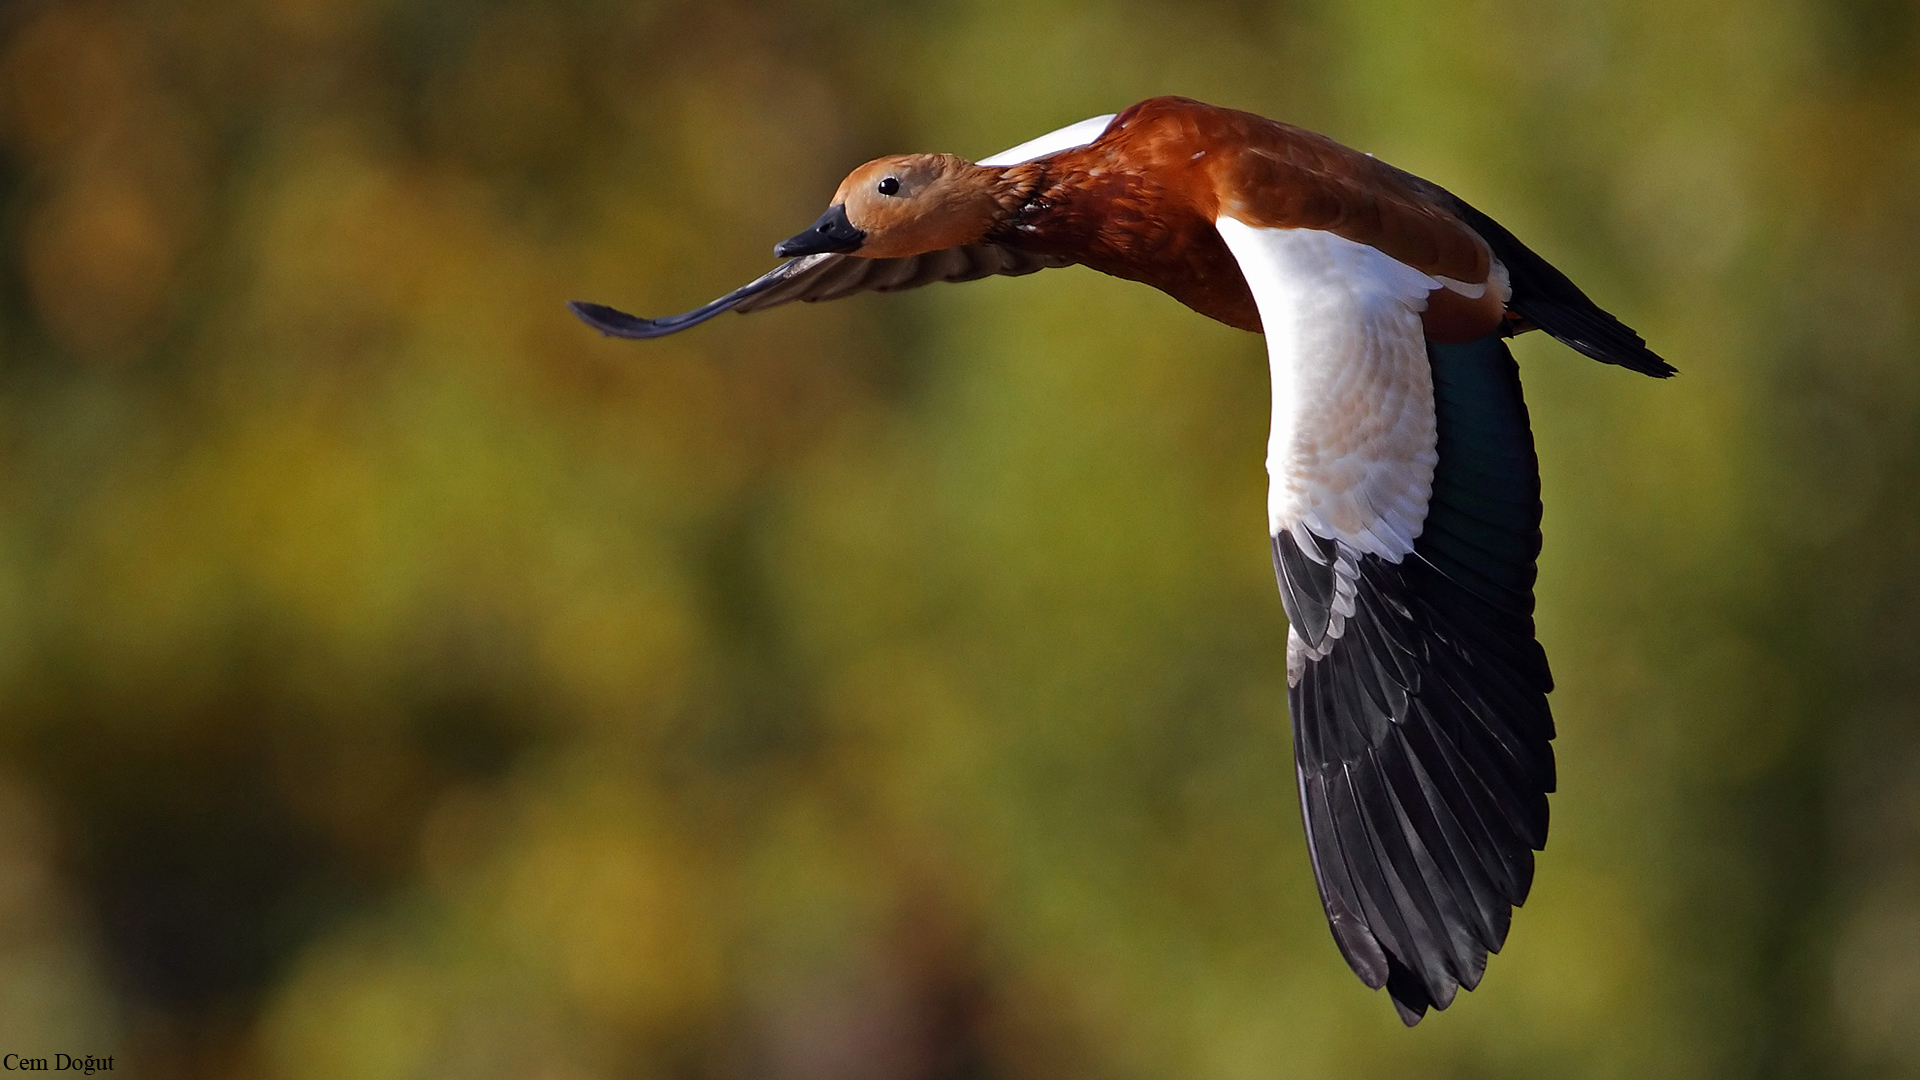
(1015, 191)
(1121, 222)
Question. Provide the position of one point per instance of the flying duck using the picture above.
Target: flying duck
(1404, 496)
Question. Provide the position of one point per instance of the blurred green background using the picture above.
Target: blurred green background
(398, 680)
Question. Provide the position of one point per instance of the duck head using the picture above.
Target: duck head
(903, 205)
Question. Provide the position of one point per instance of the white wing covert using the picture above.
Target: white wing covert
(1066, 138)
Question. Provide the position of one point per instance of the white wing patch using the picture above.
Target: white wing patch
(1052, 142)
(1352, 450)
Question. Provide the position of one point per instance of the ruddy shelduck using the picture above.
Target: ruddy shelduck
(1404, 495)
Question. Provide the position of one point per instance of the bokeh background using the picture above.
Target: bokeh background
(397, 680)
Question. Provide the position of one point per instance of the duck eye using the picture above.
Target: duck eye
(890, 186)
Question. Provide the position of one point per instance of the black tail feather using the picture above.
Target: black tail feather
(1546, 298)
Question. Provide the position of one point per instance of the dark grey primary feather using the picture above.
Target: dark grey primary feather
(1421, 728)
(827, 277)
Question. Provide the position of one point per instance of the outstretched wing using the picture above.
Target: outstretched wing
(1405, 513)
(827, 277)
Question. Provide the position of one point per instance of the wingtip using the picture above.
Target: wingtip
(614, 323)
(1409, 996)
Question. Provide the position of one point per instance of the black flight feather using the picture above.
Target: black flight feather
(1421, 727)
(813, 278)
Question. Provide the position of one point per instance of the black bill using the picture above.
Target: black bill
(832, 233)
